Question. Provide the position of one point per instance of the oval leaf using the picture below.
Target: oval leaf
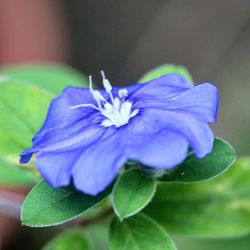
(51, 77)
(23, 108)
(45, 206)
(139, 233)
(132, 192)
(216, 208)
(73, 239)
(194, 169)
(164, 70)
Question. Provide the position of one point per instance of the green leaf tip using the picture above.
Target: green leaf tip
(45, 206)
(139, 233)
(132, 192)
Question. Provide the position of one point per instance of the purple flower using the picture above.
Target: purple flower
(88, 135)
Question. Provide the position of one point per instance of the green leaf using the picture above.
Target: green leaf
(194, 169)
(45, 206)
(188, 243)
(72, 239)
(216, 208)
(98, 234)
(139, 233)
(12, 175)
(164, 70)
(132, 192)
(23, 108)
(51, 77)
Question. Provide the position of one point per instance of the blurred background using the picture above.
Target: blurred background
(128, 38)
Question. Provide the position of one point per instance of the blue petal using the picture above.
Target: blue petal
(131, 89)
(55, 168)
(171, 80)
(61, 118)
(196, 131)
(98, 165)
(65, 128)
(160, 89)
(202, 101)
(165, 149)
(26, 156)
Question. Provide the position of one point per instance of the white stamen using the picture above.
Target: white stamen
(85, 105)
(98, 96)
(107, 86)
(134, 113)
(90, 83)
(118, 112)
(122, 93)
(108, 107)
(106, 83)
(107, 123)
(95, 93)
(116, 103)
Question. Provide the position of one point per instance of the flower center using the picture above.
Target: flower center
(117, 111)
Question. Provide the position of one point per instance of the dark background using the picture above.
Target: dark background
(211, 38)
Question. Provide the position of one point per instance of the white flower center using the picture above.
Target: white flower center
(117, 111)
